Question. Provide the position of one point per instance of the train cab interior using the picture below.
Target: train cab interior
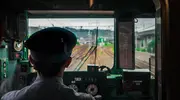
(119, 47)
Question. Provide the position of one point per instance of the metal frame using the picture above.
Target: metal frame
(74, 14)
(70, 14)
(156, 52)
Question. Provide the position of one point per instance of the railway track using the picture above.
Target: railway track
(78, 51)
(95, 59)
(108, 52)
(83, 54)
(85, 58)
(78, 56)
(102, 58)
(144, 65)
(98, 61)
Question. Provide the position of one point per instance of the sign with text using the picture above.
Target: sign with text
(126, 49)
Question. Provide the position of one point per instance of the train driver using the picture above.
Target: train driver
(50, 49)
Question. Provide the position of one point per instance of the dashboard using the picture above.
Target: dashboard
(94, 83)
(108, 87)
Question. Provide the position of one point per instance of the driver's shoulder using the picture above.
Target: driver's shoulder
(14, 94)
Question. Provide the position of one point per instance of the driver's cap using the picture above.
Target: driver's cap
(51, 44)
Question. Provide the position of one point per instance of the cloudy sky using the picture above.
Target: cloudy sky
(74, 22)
(144, 24)
(89, 23)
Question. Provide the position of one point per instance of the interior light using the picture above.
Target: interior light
(91, 2)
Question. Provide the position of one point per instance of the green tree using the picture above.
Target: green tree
(151, 46)
(77, 43)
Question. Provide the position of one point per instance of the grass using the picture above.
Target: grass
(109, 45)
(141, 49)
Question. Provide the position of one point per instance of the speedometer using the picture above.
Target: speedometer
(92, 89)
(18, 46)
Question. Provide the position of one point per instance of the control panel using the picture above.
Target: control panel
(15, 50)
(3, 69)
(137, 80)
(4, 61)
(97, 82)
(92, 83)
(23, 70)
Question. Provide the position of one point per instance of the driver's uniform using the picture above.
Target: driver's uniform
(46, 89)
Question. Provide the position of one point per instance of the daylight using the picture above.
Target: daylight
(83, 23)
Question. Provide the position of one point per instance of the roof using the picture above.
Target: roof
(146, 29)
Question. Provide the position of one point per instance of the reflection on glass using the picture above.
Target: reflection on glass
(95, 39)
(145, 44)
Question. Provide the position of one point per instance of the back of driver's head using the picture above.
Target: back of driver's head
(50, 48)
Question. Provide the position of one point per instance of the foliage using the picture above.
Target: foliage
(141, 49)
(77, 43)
(137, 49)
(107, 44)
(151, 46)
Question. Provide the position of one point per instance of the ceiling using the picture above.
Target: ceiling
(124, 8)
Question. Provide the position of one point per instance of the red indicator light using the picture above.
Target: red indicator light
(17, 55)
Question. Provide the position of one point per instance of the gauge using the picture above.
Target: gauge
(18, 46)
(4, 75)
(4, 64)
(92, 89)
(74, 87)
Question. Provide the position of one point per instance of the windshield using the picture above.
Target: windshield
(145, 44)
(95, 44)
